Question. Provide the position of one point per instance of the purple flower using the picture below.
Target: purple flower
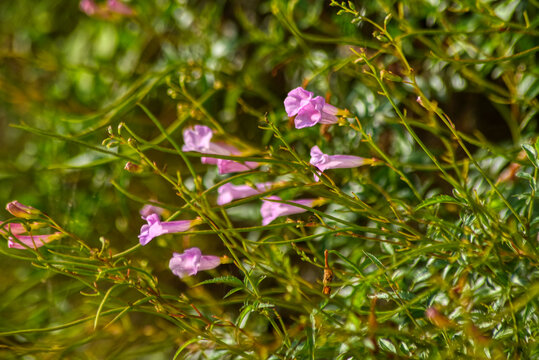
(31, 241)
(191, 262)
(272, 210)
(156, 227)
(229, 192)
(323, 161)
(309, 111)
(199, 140)
(22, 211)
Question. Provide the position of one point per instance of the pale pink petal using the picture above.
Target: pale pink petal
(155, 227)
(296, 99)
(229, 192)
(192, 261)
(231, 166)
(197, 139)
(208, 262)
(272, 210)
(324, 162)
(32, 241)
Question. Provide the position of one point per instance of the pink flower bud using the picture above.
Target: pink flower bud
(22, 211)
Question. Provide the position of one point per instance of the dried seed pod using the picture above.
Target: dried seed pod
(328, 276)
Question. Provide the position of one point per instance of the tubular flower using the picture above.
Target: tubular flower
(309, 111)
(229, 192)
(19, 210)
(31, 241)
(191, 262)
(323, 161)
(271, 210)
(155, 227)
(199, 140)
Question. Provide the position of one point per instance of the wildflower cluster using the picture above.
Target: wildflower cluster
(392, 215)
(21, 235)
(299, 103)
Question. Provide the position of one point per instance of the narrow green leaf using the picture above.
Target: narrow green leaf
(244, 316)
(532, 154)
(107, 294)
(231, 292)
(184, 345)
(373, 258)
(438, 200)
(229, 280)
(346, 260)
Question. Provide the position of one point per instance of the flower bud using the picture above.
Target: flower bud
(132, 167)
(22, 211)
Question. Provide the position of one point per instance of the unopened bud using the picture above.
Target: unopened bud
(22, 211)
(120, 127)
(437, 318)
(132, 167)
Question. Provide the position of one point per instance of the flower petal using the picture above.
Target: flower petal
(191, 261)
(155, 227)
(230, 166)
(32, 241)
(310, 114)
(197, 139)
(22, 211)
(296, 99)
(229, 192)
(272, 210)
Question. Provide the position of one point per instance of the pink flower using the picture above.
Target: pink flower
(31, 241)
(231, 166)
(323, 161)
(271, 210)
(309, 111)
(229, 192)
(89, 7)
(199, 140)
(155, 228)
(22, 211)
(119, 7)
(191, 262)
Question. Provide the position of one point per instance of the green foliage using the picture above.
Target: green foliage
(433, 248)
